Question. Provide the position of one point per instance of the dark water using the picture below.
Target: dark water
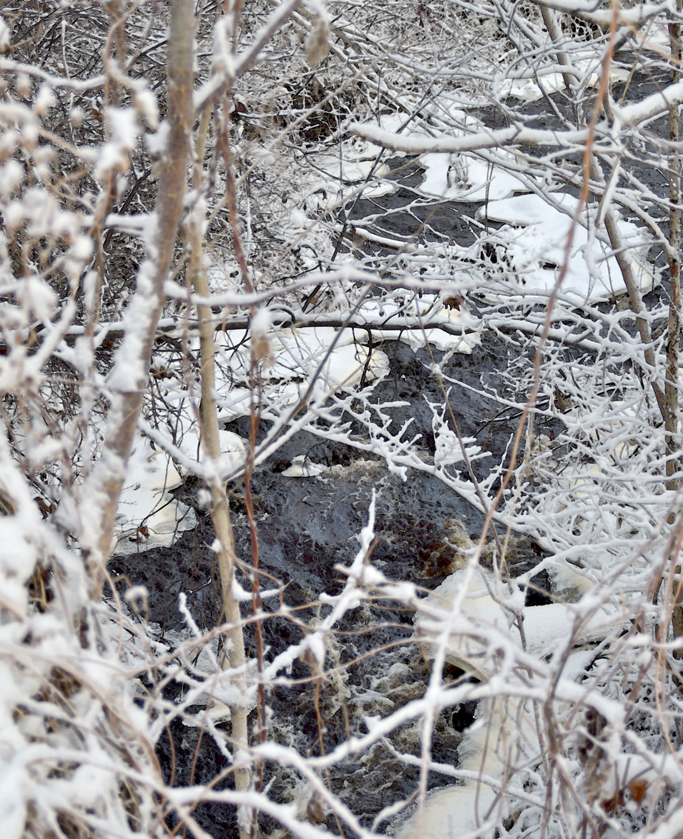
(407, 214)
(307, 527)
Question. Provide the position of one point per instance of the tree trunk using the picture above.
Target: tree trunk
(128, 379)
(220, 510)
(673, 444)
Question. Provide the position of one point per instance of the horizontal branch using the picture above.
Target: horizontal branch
(651, 106)
(483, 139)
(588, 9)
(7, 65)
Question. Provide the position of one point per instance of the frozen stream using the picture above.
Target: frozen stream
(307, 524)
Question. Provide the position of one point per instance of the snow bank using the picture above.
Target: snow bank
(484, 639)
(148, 514)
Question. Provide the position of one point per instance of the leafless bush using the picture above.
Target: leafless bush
(182, 245)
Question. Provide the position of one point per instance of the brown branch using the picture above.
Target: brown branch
(102, 485)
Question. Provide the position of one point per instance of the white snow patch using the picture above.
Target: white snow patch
(11, 175)
(302, 467)
(502, 737)
(353, 171)
(529, 90)
(261, 155)
(338, 359)
(17, 563)
(451, 812)
(298, 220)
(532, 249)
(462, 177)
(148, 515)
(487, 621)
(423, 314)
(122, 124)
(233, 448)
(14, 786)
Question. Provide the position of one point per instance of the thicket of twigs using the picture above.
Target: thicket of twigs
(179, 248)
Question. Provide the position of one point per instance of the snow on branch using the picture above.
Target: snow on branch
(651, 106)
(636, 16)
(515, 135)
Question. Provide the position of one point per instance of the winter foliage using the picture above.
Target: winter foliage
(223, 225)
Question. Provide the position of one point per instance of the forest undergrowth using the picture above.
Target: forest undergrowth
(340, 481)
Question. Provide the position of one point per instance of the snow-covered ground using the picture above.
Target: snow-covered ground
(463, 177)
(544, 234)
